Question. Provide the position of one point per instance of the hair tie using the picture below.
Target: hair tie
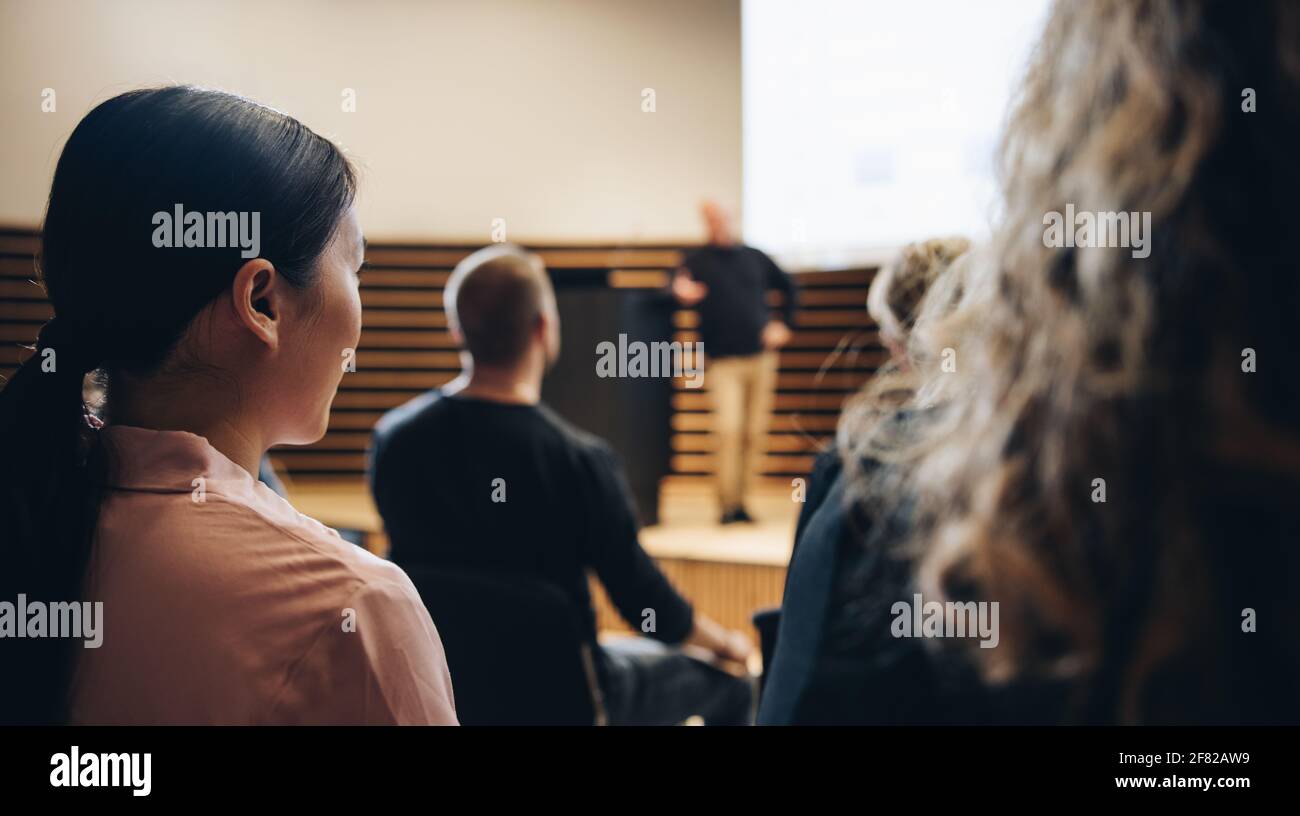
(72, 353)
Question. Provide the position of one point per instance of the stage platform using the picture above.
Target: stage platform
(727, 572)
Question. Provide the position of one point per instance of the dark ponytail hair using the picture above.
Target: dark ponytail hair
(121, 304)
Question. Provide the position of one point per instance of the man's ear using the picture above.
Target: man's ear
(257, 295)
(548, 334)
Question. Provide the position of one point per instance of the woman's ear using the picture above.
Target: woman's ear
(257, 295)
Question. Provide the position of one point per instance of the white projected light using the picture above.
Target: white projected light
(871, 124)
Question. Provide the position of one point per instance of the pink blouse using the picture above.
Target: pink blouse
(223, 604)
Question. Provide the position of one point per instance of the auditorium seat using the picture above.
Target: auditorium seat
(514, 647)
(766, 622)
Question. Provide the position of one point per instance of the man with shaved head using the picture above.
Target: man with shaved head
(481, 475)
(496, 300)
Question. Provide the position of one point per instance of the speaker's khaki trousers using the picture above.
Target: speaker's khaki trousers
(742, 390)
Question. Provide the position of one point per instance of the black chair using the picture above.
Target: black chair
(766, 621)
(514, 647)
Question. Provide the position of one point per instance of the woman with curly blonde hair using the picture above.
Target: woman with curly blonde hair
(821, 658)
(894, 299)
(1113, 454)
(1118, 456)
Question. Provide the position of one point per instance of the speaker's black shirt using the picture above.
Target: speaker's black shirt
(733, 313)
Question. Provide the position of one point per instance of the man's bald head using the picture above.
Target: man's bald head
(717, 222)
(496, 298)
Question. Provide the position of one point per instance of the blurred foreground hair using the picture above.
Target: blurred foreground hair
(1107, 461)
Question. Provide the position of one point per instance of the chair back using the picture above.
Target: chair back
(514, 647)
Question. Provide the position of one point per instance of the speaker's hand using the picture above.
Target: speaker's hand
(687, 290)
(775, 335)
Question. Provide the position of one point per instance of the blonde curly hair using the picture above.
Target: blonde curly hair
(1087, 373)
(895, 296)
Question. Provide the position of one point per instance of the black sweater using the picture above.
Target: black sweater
(733, 313)
(435, 466)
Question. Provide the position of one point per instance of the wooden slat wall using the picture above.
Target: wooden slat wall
(405, 349)
(405, 346)
(23, 308)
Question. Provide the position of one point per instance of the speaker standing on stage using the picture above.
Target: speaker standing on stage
(729, 282)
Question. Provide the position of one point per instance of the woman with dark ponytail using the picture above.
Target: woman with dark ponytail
(201, 253)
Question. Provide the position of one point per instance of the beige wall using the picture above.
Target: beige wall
(528, 110)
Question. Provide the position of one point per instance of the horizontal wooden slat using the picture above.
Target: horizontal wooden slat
(368, 359)
(690, 319)
(420, 380)
(13, 355)
(832, 317)
(852, 298)
(695, 401)
(343, 441)
(35, 310)
(638, 278)
(400, 278)
(774, 443)
(19, 243)
(305, 461)
(704, 463)
(403, 319)
(611, 258)
(402, 298)
(856, 278)
(812, 338)
(18, 266)
(416, 256)
(780, 423)
(354, 420)
(398, 339)
(840, 381)
(21, 289)
(374, 400)
(864, 360)
(676, 481)
(830, 338)
(14, 332)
